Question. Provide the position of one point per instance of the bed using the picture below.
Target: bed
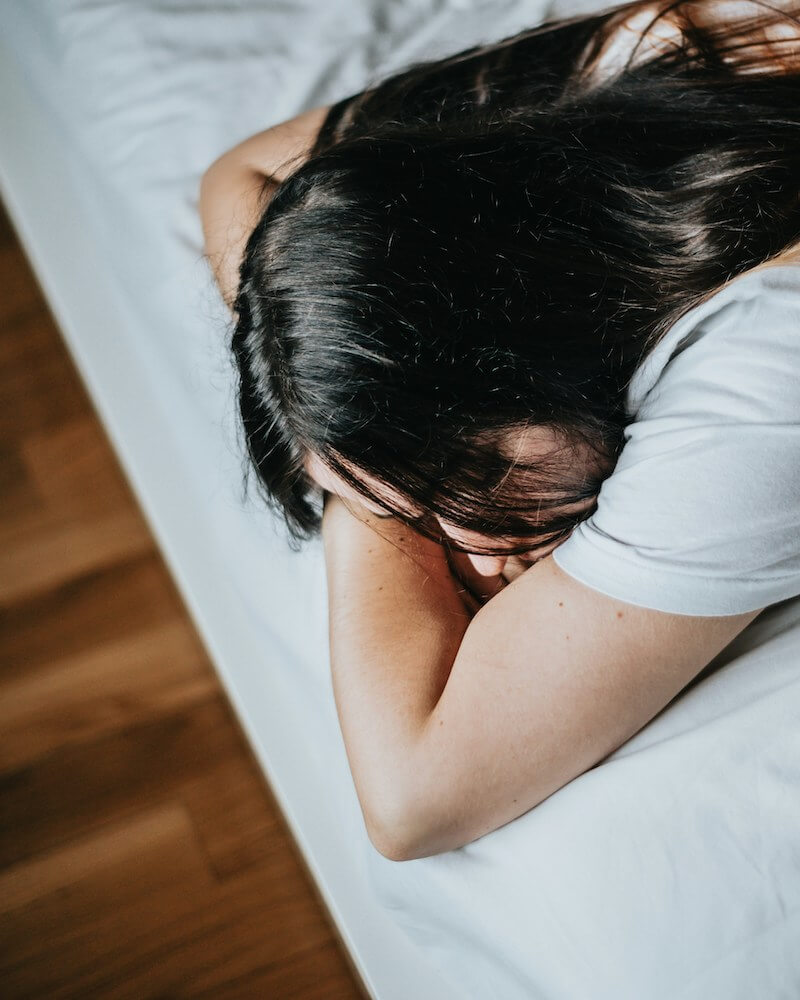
(672, 869)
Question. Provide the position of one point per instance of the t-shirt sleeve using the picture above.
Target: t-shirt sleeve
(701, 515)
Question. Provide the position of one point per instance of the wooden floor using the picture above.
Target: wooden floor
(141, 854)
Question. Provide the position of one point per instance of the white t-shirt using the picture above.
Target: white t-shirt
(701, 515)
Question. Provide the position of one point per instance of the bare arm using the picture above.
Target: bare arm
(396, 621)
(237, 187)
(454, 725)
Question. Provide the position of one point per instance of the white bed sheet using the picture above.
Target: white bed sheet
(672, 870)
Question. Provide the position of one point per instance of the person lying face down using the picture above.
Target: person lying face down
(442, 290)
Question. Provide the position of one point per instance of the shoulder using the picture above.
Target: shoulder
(701, 514)
(752, 321)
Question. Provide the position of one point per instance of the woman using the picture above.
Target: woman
(467, 298)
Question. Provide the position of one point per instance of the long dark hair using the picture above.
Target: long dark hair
(492, 243)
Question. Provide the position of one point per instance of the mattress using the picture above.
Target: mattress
(672, 869)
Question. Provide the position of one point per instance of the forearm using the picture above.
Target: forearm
(396, 622)
(237, 187)
(233, 197)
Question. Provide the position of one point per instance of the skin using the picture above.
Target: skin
(483, 575)
(236, 189)
(469, 688)
(455, 724)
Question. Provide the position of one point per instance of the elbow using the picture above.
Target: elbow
(390, 842)
(205, 201)
(408, 830)
(387, 827)
(392, 850)
(207, 181)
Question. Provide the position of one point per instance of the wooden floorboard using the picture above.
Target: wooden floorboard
(141, 854)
